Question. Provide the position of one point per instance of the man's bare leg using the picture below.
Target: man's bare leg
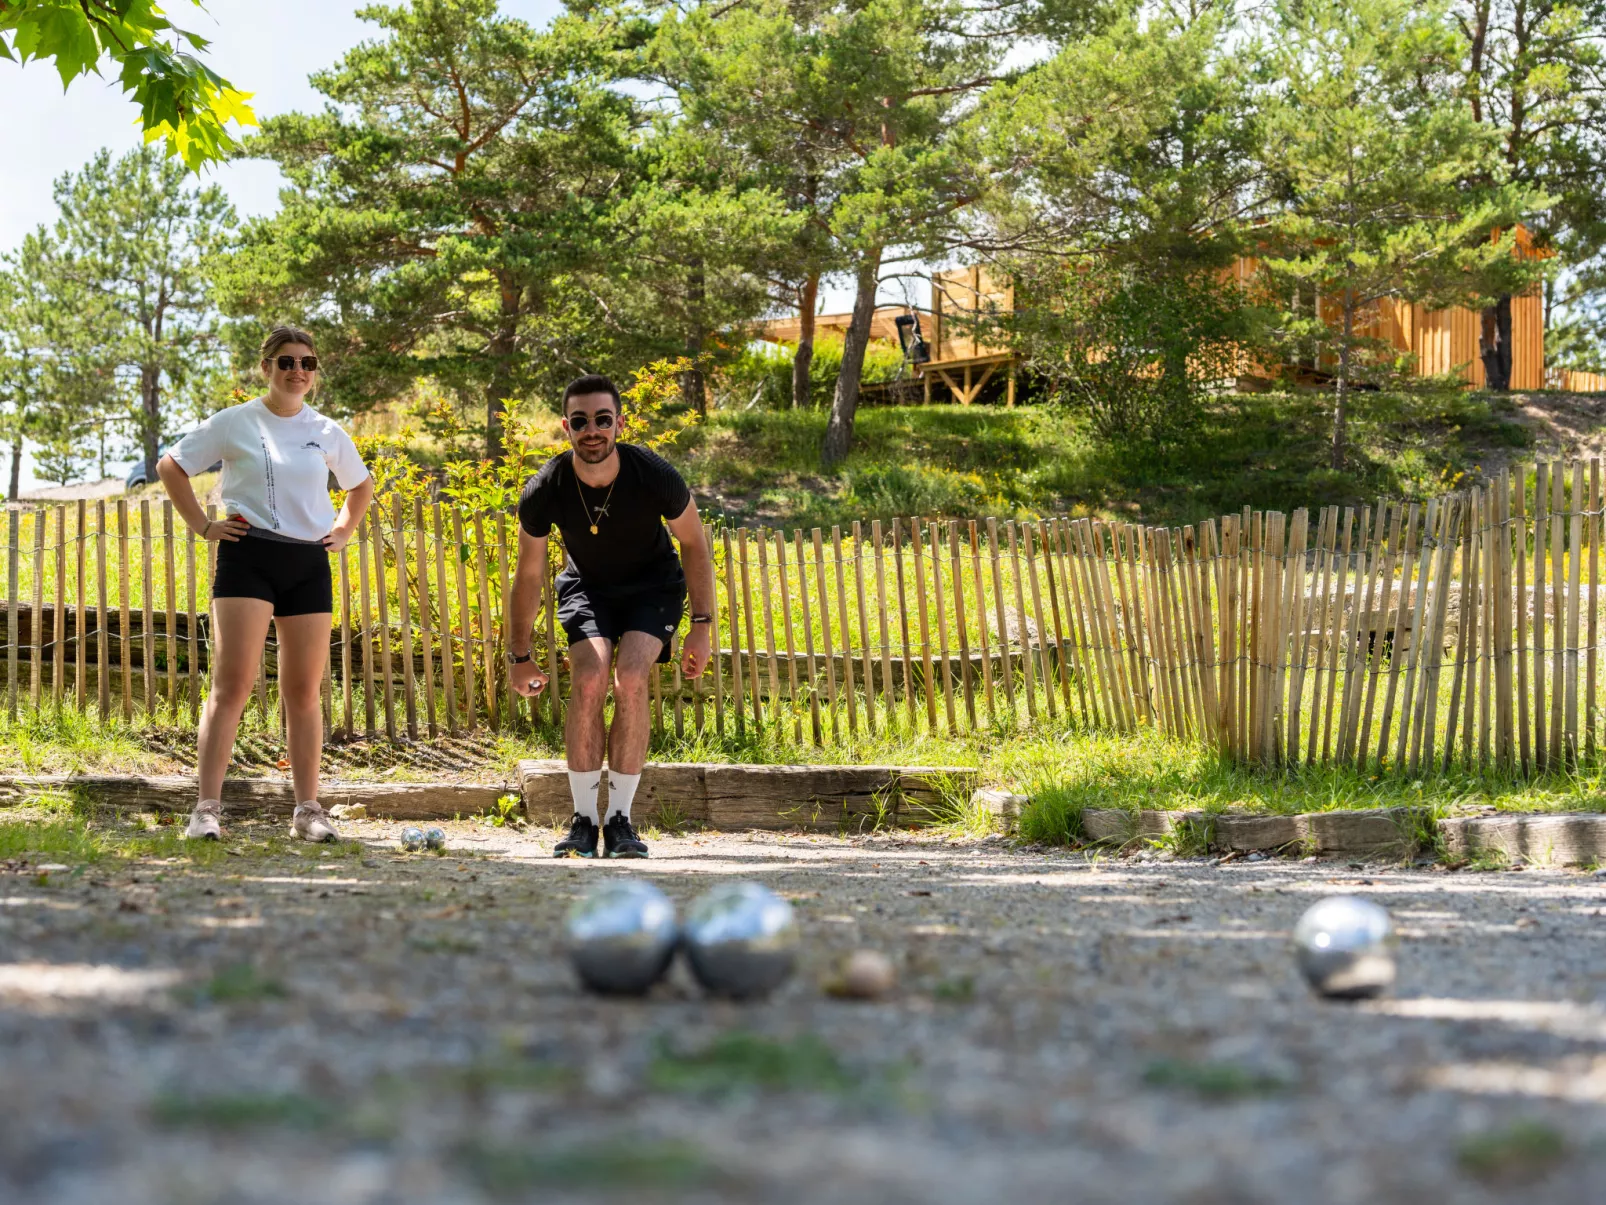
(627, 740)
(583, 739)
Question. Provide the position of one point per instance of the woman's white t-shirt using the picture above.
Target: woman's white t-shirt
(275, 470)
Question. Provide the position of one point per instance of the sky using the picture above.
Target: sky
(268, 50)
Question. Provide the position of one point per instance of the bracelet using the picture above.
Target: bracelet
(702, 619)
(206, 529)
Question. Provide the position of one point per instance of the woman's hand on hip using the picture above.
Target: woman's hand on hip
(225, 530)
(339, 536)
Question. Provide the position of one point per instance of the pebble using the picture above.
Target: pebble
(866, 975)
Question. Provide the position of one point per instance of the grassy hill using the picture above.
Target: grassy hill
(1267, 451)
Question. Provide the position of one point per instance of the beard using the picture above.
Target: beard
(594, 455)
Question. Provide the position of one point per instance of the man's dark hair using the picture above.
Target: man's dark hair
(592, 382)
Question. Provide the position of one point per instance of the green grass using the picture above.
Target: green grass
(241, 1111)
(612, 1164)
(738, 1060)
(1268, 451)
(1212, 1081)
(1520, 1153)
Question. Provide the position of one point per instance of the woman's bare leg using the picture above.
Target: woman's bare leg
(303, 652)
(239, 630)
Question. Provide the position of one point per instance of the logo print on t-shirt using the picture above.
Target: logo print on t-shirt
(313, 444)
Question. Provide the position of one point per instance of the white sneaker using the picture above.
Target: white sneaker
(205, 821)
(311, 824)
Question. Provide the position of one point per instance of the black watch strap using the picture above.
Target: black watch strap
(702, 619)
(518, 659)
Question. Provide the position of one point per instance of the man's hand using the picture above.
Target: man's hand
(526, 679)
(694, 652)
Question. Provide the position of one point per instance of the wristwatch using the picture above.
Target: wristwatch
(702, 619)
(519, 658)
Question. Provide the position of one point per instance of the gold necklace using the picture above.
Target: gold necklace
(601, 510)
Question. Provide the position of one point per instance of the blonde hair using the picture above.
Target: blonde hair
(280, 336)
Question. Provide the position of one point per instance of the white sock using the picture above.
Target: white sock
(583, 787)
(621, 792)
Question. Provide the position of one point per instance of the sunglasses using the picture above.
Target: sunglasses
(308, 363)
(579, 422)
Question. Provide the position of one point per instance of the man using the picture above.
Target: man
(620, 600)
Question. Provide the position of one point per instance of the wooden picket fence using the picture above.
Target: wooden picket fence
(1408, 636)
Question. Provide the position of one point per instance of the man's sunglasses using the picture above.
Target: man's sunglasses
(579, 422)
(308, 363)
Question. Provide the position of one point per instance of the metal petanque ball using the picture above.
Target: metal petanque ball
(622, 936)
(435, 838)
(1346, 947)
(741, 940)
(412, 839)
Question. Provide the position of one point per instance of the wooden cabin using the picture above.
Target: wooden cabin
(1441, 341)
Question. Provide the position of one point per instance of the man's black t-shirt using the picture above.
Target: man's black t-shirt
(631, 550)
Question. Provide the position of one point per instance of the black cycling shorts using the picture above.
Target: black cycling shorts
(295, 578)
(586, 614)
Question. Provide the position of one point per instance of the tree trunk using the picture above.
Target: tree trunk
(1494, 345)
(692, 389)
(1341, 401)
(845, 404)
(16, 467)
(803, 358)
(503, 346)
(150, 434)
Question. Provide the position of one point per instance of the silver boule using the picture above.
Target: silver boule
(621, 936)
(741, 940)
(435, 838)
(1346, 947)
(412, 838)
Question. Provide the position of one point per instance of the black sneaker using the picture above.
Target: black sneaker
(619, 839)
(582, 839)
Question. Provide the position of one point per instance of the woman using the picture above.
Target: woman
(272, 563)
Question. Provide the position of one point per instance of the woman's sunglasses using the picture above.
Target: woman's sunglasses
(579, 422)
(308, 363)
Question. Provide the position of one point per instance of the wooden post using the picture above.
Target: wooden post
(554, 689)
(343, 566)
(1050, 549)
(1540, 606)
(102, 626)
(1402, 615)
(148, 602)
(170, 641)
(14, 633)
(487, 637)
(903, 624)
(1519, 534)
(1593, 529)
(981, 624)
(887, 688)
(194, 626)
(382, 596)
(36, 683)
(761, 538)
(965, 675)
(124, 622)
(846, 634)
(737, 696)
(808, 636)
(752, 641)
(404, 616)
(363, 578)
(1047, 674)
(825, 631)
(1029, 678)
(425, 618)
(917, 553)
(448, 670)
(503, 561)
(864, 627)
(1432, 536)
(786, 623)
(465, 627)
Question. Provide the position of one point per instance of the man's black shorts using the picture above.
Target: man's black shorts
(295, 578)
(656, 610)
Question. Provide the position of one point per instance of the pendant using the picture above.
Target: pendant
(593, 529)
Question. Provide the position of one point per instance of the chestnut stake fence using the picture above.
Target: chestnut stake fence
(1401, 636)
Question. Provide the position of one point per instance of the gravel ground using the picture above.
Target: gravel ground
(357, 1025)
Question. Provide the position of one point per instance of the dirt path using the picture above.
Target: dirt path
(362, 1026)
